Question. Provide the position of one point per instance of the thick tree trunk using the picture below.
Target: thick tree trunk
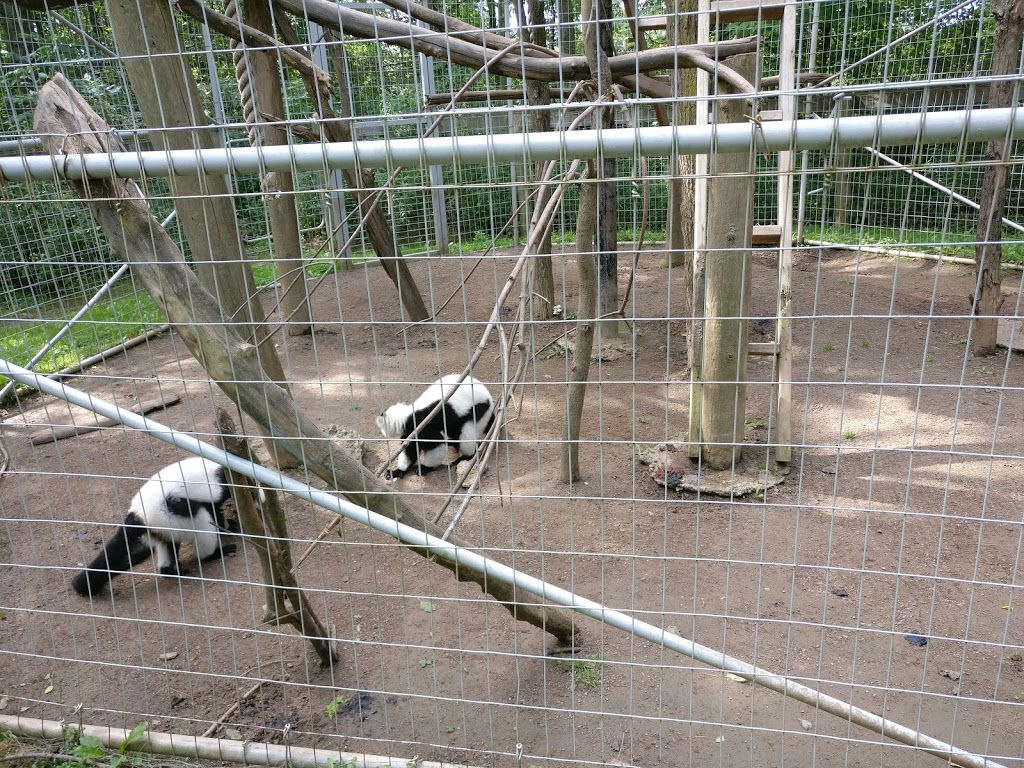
(69, 126)
(168, 97)
(586, 262)
(278, 186)
(988, 299)
(728, 268)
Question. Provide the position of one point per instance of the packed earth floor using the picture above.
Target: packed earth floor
(900, 518)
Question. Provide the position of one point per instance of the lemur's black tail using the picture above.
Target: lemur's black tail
(124, 549)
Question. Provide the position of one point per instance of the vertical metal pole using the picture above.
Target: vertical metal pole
(812, 62)
(435, 172)
(219, 115)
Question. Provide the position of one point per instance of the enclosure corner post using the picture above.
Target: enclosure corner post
(728, 267)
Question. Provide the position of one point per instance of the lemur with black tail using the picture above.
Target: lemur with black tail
(180, 503)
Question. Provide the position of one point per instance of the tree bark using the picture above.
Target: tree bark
(167, 95)
(278, 186)
(988, 300)
(459, 50)
(579, 370)
(682, 30)
(598, 48)
(70, 127)
(728, 268)
(539, 97)
(265, 528)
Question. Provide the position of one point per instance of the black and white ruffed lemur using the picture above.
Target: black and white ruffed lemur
(463, 421)
(180, 503)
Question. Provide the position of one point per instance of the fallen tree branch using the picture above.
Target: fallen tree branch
(61, 431)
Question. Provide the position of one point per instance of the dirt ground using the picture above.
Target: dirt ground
(900, 516)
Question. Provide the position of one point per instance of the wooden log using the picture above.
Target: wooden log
(728, 269)
(265, 528)
(62, 431)
(69, 126)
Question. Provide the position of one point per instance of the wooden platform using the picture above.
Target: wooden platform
(725, 11)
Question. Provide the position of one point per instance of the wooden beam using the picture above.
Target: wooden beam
(725, 11)
(766, 235)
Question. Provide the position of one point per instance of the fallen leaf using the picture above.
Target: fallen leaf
(168, 656)
(231, 733)
(48, 689)
(426, 606)
(806, 724)
(737, 678)
(950, 674)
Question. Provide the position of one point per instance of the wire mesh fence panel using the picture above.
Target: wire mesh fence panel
(430, 578)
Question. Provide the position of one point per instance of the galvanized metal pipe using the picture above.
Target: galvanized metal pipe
(955, 126)
(506, 575)
(206, 748)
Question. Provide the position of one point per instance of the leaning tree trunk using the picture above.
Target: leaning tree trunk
(70, 127)
(166, 93)
(1009, 16)
(585, 322)
(259, 84)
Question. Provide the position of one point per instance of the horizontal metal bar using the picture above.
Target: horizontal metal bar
(787, 135)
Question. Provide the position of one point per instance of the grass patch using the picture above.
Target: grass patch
(104, 326)
(585, 672)
(949, 244)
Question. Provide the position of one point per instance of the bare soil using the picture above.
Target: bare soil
(900, 515)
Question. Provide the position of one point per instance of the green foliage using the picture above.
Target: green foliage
(960, 244)
(335, 704)
(86, 751)
(104, 326)
(586, 672)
